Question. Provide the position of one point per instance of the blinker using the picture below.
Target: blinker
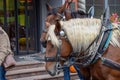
(62, 33)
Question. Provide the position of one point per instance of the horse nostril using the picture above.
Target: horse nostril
(44, 43)
(51, 73)
(59, 66)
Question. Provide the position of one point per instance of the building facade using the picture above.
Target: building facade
(23, 20)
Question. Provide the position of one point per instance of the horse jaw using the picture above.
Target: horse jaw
(52, 69)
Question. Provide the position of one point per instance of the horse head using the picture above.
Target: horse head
(54, 15)
(54, 54)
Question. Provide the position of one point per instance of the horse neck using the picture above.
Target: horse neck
(63, 7)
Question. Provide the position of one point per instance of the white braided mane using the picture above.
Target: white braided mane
(81, 32)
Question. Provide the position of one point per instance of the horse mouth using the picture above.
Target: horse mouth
(53, 73)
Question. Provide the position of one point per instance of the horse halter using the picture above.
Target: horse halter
(58, 57)
(85, 60)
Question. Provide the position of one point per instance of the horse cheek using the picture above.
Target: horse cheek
(66, 49)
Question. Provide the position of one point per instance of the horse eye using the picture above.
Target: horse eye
(52, 46)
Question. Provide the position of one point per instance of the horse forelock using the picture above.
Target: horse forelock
(51, 36)
(81, 32)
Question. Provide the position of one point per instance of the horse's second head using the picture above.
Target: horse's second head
(54, 15)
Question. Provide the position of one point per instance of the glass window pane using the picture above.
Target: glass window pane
(27, 29)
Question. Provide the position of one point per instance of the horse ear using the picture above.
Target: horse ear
(48, 7)
(62, 8)
(57, 27)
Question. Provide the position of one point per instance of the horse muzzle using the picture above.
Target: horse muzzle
(51, 73)
(54, 71)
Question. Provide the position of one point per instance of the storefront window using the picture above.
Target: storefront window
(27, 29)
(18, 19)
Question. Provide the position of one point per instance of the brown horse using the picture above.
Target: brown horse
(79, 38)
(56, 14)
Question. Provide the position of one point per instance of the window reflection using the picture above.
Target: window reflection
(25, 28)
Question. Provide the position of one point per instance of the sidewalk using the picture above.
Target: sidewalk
(30, 57)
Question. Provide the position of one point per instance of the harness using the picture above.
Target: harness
(100, 44)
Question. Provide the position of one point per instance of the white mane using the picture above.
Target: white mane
(51, 36)
(81, 32)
